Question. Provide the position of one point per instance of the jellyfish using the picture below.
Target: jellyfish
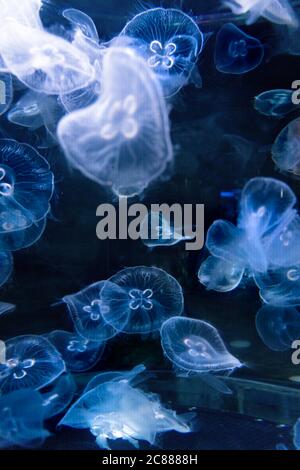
(170, 41)
(85, 311)
(79, 354)
(123, 140)
(26, 112)
(6, 92)
(6, 266)
(26, 187)
(286, 148)
(42, 61)
(275, 103)
(59, 396)
(107, 411)
(278, 327)
(280, 286)
(144, 297)
(132, 377)
(31, 362)
(195, 347)
(220, 275)
(161, 232)
(236, 52)
(26, 12)
(83, 22)
(22, 420)
(6, 308)
(276, 11)
(83, 98)
(296, 433)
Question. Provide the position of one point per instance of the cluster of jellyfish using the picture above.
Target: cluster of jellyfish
(116, 132)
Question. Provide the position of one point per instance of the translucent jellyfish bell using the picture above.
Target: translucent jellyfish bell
(140, 299)
(58, 396)
(85, 311)
(42, 61)
(26, 112)
(220, 275)
(278, 327)
(170, 41)
(22, 420)
(195, 347)
(275, 103)
(6, 92)
(286, 148)
(132, 377)
(79, 354)
(236, 52)
(31, 362)
(83, 22)
(123, 140)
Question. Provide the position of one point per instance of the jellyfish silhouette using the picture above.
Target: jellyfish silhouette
(26, 187)
(275, 103)
(195, 347)
(22, 420)
(170, 41)
(220, 275)
(79, 354)
(140, 299)
(123, 140)
(85, 311)
(276, 11)
(236, 52)
(286, 149)
(26, 112)
(31, 362)
(278, 327)
(42, 61)
(132, 377)
(6, 266)
(107, 411)
(6, 92)
(58, 396)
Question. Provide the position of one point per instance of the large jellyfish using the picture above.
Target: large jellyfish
(195, 347)
(6, 92)
(236, 52)
(276, 11)
(31, 362)
(170, 41)
(278, 327)
(79, 354)
(22, 420)
(140, 299)
(286, 148)
(26, 187)
(58, 396)
(123, 140)
(275, 103)
(42, 61)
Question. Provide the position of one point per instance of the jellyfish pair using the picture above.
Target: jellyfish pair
(264, 244)
(237, 52)
(275, 103)
(107, 410)
(286, 149)
(123, 140)
(170, 42)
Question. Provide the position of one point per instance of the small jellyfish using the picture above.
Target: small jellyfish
(6, 308)
(85, 311)
(79, 354)
(170, 41)
(123, 140)
(280, 286)
(195, 347)
(26, 112)
(58, 396)
(6, 92)
(83, 22)
(275, 103)
(22, 420)
(236, 52)
(158, 231)
(31, 362)
(6, 266)
(133, 377)
(42, 61)
(296, 433)
(138, 300)
(220, 275)
(278, 327)
(286, 149)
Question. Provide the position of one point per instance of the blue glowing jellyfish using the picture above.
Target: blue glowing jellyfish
(278, 327)
(275, 103)
(22, 420)
(81, 98)
(286, 149)
(236, 52)
(144, 297)
(83, 22)
(195, 347)
(133, 377)
(123, 140)
(26, 112)
(59, 396)
(31, 362)
(79, 354)
(220, 275)
(280, 286)
(42, 61)
(26, 187)
(170, 41)
(158, 231)
(85, 311)
(276, 11)
(6, 266)
(296, 432)
(6, 92)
